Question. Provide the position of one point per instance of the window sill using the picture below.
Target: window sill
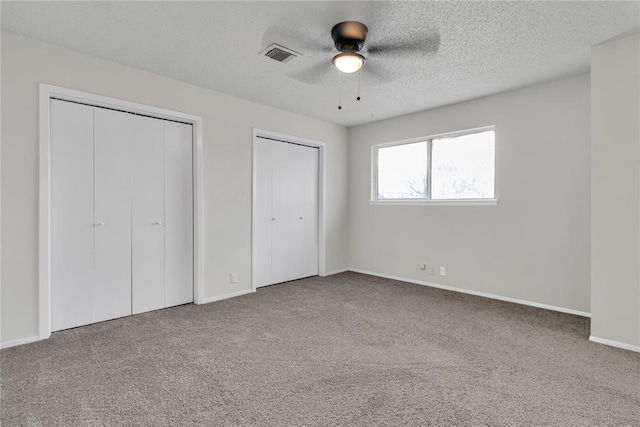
(440, 202)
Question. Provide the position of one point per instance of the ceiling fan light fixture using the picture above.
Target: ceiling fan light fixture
(348, 62)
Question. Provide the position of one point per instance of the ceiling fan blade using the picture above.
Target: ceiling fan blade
(423, 47)
(316, 73)
(297, 40)
(376, 73)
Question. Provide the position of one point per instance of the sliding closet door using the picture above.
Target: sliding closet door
(147, 213)
(178, 210)
(113, 142)
(295, 206)
(72, 223)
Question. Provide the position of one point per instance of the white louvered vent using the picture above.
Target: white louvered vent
(280, 53)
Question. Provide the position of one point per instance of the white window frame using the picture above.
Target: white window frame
(427, 201)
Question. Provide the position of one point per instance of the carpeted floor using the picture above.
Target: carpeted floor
(349, 349)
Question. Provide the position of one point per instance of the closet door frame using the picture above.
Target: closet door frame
(47, 92)
(321, 146)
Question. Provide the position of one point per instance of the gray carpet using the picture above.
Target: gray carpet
(349, 350)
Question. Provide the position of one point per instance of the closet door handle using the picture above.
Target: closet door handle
(300, 218)
(157, 223)
(99, 224)
(273, 219)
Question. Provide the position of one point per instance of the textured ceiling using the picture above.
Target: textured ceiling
(467, 49)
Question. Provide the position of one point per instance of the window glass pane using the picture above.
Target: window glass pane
(463, 167)
(402, 171)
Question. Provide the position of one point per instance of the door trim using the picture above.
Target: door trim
(44, 231)
(321, 146)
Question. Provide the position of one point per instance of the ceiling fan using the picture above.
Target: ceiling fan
(349, 38)
(387, 56)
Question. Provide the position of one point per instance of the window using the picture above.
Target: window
(453, 167)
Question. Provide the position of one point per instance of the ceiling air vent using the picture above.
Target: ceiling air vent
(280, 53)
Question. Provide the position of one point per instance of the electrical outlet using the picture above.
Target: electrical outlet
(443, 271)
(233, 278)
(432, 270)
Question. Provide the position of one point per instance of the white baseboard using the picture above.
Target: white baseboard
(480, 294)
(611, 343)
(205, 301)
(331, 273)
(18, 342)
(226, 296)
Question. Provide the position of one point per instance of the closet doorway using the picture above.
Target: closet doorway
(288, 204)
(120, 209)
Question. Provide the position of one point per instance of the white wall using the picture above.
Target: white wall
(227, 123)
(534, 245)
(615, 191)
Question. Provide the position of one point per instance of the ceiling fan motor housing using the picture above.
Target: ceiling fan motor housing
(349, 35)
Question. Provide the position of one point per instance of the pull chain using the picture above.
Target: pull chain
(339, 93)
(359, 71)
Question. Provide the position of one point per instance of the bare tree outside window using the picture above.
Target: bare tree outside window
(402, 171)
(463, 167)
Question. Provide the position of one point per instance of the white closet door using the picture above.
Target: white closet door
(113, 146)
(304, 261)
(286, 212)
(71, 215)
(122, 214)
(147, 231)
(263, 212)
(178, 208)
(295, 207)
